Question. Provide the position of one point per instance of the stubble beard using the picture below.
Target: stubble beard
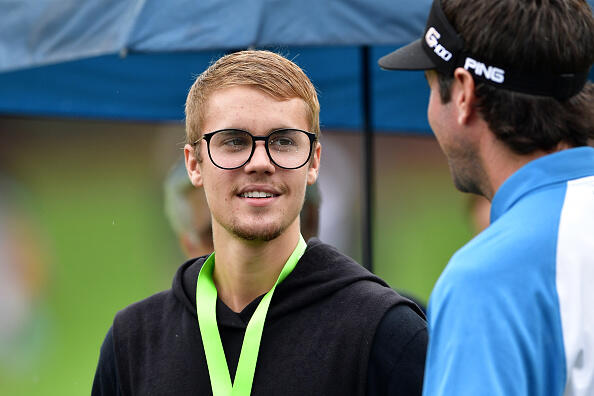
(256, 231)
(263, 235)
(254, 228)
(467, 173)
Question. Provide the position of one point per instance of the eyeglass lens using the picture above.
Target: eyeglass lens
(288, 148)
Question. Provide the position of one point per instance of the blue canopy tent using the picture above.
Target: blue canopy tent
(135, 59)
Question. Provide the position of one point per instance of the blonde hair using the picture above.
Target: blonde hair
(264, 70)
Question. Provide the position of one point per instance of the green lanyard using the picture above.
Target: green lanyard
(206, 301)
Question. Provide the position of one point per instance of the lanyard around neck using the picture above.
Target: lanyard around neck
(206, 300)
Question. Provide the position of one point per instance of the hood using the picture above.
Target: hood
(321, 271)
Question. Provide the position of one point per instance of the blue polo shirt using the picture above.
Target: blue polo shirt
(513, 311)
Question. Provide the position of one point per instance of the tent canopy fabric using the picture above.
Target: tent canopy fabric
(38, 32)
(135, 59)
(153, 87)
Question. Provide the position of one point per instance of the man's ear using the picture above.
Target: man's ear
(193, 165)
(314, 166)
(463, 95)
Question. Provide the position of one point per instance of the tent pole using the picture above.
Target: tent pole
(368, 159)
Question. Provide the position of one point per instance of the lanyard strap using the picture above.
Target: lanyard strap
(206, 301)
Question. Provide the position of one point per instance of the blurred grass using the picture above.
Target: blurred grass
(110, 246)
(106, 255)
(98, 198)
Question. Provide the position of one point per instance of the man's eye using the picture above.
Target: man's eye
(235, 142)
(282, 141)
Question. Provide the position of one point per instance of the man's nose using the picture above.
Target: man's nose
(260, 161)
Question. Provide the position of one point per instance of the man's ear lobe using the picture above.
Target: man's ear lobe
(193, 165)
(463, 95)
(314, 166)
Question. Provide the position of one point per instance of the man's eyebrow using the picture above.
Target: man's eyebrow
(267, 132)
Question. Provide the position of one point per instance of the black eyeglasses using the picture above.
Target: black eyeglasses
(233, 148)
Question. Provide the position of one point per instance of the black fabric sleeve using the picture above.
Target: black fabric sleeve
(397, 359)
(106, 382)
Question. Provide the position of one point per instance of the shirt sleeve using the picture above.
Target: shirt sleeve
(397, 357)
(106, 381)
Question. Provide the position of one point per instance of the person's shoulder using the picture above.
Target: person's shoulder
(150, 313)
(397, 357)
(328, 268)
(524, 225)
(324, 276)
(485, 265)
(499, 249)
(154, 302)
(338, 271)
(401, 324)
(324, 255)
(475, 271)
(164, 303)
(497, 274)
(324, 260)
(400, 331)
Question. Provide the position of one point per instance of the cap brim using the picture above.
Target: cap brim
(409, 57)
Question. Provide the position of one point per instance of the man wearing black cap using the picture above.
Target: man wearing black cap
(512, 111)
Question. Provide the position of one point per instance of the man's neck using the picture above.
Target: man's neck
(244, 270)
(500, 163)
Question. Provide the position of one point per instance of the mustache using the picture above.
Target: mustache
(281, 188)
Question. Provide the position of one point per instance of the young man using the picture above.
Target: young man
(265, 314)
(510, 107)
(188, 214)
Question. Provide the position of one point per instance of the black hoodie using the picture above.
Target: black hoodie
(317, 337)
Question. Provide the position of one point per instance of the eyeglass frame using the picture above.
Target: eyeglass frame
(207, 136)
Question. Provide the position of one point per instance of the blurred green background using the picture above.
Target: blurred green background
(88, 197)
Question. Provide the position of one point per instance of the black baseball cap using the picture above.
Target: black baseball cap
(442, 48)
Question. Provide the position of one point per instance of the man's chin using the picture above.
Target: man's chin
(466, 178)
(466, 186)
(261, 234)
